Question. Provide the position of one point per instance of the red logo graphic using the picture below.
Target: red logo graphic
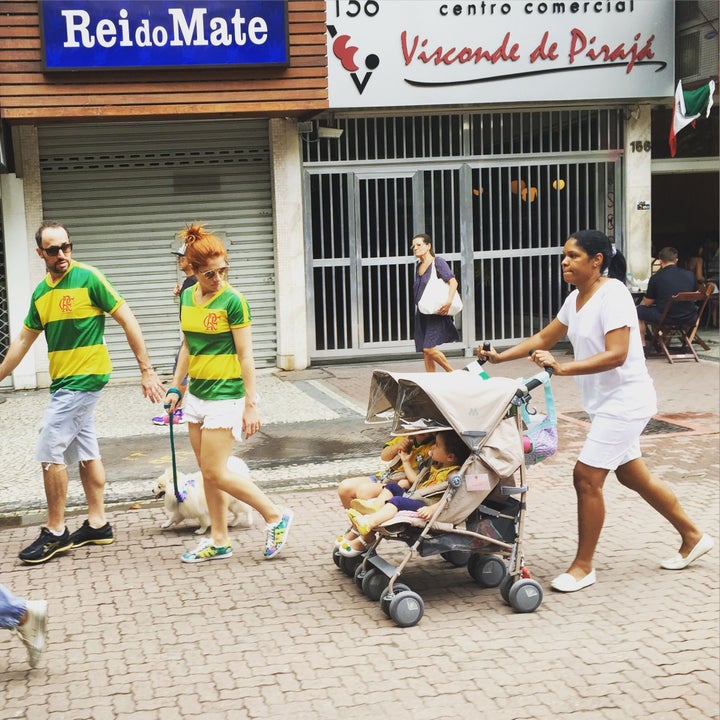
(346, 55)
(211, 322)
(66, 303)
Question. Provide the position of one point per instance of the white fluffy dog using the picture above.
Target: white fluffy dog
(194, 505)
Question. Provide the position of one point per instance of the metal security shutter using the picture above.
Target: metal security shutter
(125, 189)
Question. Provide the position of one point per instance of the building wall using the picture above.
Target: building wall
(29, 95)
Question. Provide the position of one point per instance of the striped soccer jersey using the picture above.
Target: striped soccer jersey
(214, 367)
(71, 311)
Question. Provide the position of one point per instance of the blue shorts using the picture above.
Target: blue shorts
(67, 434)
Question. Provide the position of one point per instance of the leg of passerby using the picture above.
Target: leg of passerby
(636, 476)
(54, 537)
(213, 448)
(96, 530)
(28, 617)
(588, 482)
(55, 479)
(433, 356)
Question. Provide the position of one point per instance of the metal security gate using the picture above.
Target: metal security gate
(498, 209)
(125, 190)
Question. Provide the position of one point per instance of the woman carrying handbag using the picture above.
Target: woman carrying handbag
(437, 328)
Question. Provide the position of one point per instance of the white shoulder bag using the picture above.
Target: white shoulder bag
(435, 295)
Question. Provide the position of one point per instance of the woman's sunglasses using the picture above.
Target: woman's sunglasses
(54, 250)
(210, 274)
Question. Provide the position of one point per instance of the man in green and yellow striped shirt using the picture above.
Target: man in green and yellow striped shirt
(69, 305)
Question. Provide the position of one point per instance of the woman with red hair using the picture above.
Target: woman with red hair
(220, 404)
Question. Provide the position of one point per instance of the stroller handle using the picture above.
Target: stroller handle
(535, 381)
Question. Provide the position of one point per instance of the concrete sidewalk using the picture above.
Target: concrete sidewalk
(136, 635)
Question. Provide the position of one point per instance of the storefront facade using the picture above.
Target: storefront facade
(497, 128)
(128, 121)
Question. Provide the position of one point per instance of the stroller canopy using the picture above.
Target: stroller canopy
(430, 402)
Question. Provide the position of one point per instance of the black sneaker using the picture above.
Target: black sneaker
(85, 535)
(45, 547)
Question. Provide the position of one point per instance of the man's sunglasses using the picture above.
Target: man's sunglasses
(210, 274)
(54, 250)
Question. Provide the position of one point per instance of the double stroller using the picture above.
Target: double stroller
(478, 520)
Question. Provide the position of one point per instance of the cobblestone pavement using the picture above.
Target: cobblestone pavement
(135, 634)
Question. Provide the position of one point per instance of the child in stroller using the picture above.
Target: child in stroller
(448, 454)
(367, 487)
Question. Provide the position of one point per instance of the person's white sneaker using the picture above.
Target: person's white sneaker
(32, 631)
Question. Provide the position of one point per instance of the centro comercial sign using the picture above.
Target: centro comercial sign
(146, 34)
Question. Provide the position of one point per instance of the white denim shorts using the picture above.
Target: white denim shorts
(215, 414)
(67, 434)
(612, 442)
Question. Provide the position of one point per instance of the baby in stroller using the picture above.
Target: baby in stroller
(448, 454)
(366, 487)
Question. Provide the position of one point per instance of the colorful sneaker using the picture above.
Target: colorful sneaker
(277, 534)
(86, 534)
(32, 631)
(207, 551)
(45, 547)
(178, 418)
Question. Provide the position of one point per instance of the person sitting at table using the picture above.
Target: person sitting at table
(666, 282)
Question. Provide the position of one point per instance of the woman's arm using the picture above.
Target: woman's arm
(617, 343)
(546, 338)
(173, 399)
(243, 346)
(452, 289)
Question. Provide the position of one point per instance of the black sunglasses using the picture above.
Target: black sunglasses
(54, 250)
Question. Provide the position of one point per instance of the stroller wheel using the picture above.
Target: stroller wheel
(387, 596)
(348, 565)
(406, 608)
(359, 575)
(373, 584)
(525, 596)
(458, 558)
(505, 585)
(488, 571)
(336, 556)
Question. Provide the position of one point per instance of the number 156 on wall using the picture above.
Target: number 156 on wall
(353, 8)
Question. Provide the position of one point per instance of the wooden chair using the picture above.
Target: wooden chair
(666, 329)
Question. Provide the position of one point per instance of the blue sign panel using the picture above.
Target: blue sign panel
(114, 34)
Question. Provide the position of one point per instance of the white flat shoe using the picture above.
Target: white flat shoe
(567, 583)
(678, 562)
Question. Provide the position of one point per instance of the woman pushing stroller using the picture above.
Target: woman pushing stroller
(600, 319)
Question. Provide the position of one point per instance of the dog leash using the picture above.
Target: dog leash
(171, 419)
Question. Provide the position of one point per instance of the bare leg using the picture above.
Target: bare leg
(214, 448)
(357, 487)
(588, 483)
(431, 356)
(92, 476)
(55, 477)
(386, 512)
(658, 495)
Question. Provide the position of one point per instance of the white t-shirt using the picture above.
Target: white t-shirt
(627, 391)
